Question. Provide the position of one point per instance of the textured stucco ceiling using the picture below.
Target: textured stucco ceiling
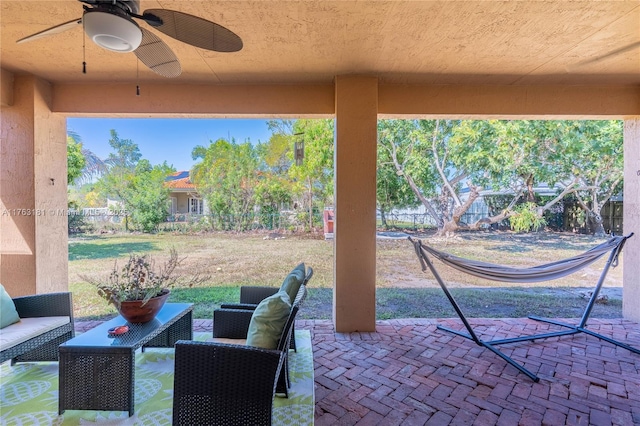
(425, 42)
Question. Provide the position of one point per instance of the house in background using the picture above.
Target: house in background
(186, 203)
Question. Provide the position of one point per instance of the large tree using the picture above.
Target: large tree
(137, 184)
(594, 155)
(93, 166)
(226, 176)
(313, 177)
(419, 152)
(393, 189)
(514, 157)
(274, 189)
(468, 156)
(145, 195)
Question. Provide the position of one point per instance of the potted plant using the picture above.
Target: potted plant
(138, 289)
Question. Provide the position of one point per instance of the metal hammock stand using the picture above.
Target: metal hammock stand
(539, 273)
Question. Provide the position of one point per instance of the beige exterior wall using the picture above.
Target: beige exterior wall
(177, 100)
(33, 192)
(631, 221)
(527, 102)
(182, 199)
(354, 292)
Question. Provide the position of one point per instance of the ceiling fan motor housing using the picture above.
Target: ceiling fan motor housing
(111, 28)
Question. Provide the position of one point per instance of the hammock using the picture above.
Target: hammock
(546, 272)
(549, 271)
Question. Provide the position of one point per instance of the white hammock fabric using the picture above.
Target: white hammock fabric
(546, 272)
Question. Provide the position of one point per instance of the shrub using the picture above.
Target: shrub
(526, 218)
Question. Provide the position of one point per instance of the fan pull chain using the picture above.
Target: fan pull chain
(137, 77)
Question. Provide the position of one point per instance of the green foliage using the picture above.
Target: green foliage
(75, 159)
(147, 199)
(226, 176)
(436, 157)
(115, 182)
(392, 189)
(77, 223)
(526, 218)
(594, 154)
(276, 153)
(505, 154)
(417, 150)
(271, 193)
(136, 183)
(497, 203)
(92, 165)
(126, 153)
(313, 179)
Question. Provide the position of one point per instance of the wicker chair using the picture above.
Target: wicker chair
(227, 384)
(43, 347)
(233, 323)
(250, 297)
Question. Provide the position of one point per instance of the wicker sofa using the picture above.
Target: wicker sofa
(46, 321)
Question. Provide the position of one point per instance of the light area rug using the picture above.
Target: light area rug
(29, 392)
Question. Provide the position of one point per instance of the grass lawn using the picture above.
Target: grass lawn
(403, 290)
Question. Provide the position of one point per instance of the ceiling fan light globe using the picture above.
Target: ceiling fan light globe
(112, 32)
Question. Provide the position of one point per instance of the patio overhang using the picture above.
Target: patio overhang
(355, 61)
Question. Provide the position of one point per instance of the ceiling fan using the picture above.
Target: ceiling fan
(110, 24)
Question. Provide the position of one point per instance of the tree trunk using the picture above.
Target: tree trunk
(451, 226)
(598, 226)
(448, 229)
(531, 196)
(383, 219)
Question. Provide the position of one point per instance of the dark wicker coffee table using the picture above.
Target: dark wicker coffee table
(97, 372)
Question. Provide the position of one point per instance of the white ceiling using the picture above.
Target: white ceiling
(422, 42)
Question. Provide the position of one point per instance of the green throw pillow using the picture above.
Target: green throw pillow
(8, 313)
(293, 281)
(268, 320)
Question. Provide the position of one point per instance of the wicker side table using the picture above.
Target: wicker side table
(97, 372)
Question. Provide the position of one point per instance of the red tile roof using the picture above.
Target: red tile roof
(178, 181)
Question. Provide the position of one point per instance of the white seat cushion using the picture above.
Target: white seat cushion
(28, 328)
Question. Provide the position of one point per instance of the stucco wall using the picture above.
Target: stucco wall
(50, 179)
(33, 222)
(17, 236)
(354, 294)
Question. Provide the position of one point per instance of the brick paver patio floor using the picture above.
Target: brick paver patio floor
(410, 373)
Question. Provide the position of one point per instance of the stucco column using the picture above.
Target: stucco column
(631, 221)
(354, 292)
(33, 192)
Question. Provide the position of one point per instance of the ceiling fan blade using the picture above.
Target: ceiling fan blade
(610, 54)
(159, 57)
(53, 30)
(196, 31)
